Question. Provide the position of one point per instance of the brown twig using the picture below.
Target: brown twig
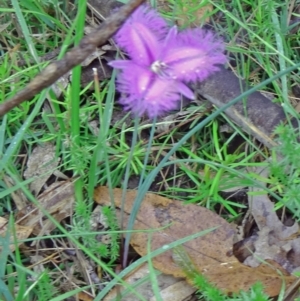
(73, 58)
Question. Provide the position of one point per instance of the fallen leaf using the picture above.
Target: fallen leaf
(208, 253)
(4, 26)
(57, 200)
(84, 296)
(18, 196)
(40, 165)
(171, 288)
(274, 240)
(21, 232)
(264, 213)
(38, 263)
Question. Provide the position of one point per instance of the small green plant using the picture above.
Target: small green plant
(285, 168)
(187, 12)
(44, 288)
(209, 292)
(115, 240)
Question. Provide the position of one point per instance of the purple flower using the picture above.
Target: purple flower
(161, 62)
(142, 21)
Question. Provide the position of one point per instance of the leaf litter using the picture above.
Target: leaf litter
(171, 288)
(210, 254)
(21, 233)
(274, 240)
(40, 166)
(58, 200)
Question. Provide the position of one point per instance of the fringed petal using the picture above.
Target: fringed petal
(195, 55)
(140, 34)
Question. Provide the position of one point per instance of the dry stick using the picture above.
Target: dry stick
(73, 58)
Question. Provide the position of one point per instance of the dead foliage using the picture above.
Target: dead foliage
(210, 254)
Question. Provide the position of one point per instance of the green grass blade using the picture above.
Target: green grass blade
(25, 30)
(17, 139)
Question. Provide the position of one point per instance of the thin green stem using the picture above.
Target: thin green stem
(75, 100)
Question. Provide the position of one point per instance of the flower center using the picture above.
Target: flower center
(159, 68)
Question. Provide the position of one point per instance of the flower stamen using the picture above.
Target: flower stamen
(158, 67)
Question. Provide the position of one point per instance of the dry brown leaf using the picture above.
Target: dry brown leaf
(84, 296)
(264, 214)
(179, 291)
(171, 288)
(18, 196)
(38, 263)
(4, 26)
(209, 253)
(57, 200)
(40, 166)
(274, 241)
(21, 232)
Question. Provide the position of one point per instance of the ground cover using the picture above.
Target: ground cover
(64, 147)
